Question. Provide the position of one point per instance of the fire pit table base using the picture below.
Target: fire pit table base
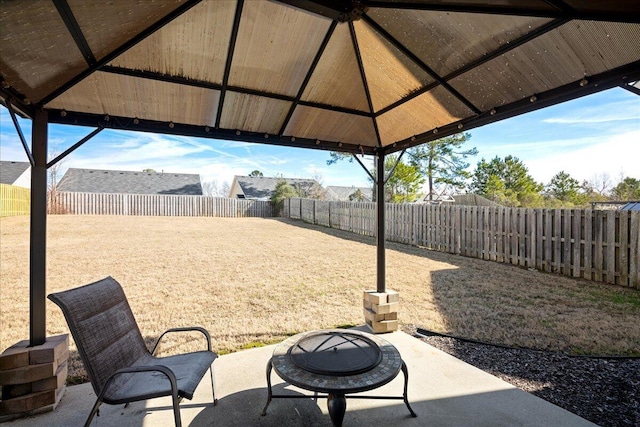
(338, 388)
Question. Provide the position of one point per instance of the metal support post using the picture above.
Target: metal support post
(380, 224)
(38, 234)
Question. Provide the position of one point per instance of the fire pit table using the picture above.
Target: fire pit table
(337, 362)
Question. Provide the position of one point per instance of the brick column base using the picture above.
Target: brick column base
(381, 310)
(32, 379)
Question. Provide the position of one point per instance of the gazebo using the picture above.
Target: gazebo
(363, 77)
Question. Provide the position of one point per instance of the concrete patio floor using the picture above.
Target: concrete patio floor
(443, 391)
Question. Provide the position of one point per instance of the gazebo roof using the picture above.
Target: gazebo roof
(360, 76)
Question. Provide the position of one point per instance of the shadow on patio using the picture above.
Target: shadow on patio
(443, 391)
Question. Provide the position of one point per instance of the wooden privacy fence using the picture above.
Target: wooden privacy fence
(599, 245)
(14, 200)
(158, 205)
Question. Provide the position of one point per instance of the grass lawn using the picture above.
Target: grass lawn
(257, 280)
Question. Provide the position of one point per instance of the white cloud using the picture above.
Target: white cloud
(603, 113)
(613, 155)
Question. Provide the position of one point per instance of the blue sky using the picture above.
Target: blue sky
(587, 137)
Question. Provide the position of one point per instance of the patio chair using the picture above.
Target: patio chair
(120, 367)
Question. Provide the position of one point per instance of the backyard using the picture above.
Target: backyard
(251, 281)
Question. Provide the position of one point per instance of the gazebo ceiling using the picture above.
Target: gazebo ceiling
(353, 75)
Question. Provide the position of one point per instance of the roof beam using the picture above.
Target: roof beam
(363, 75)
(74, 29)
(21, 135)
(489, 56)
(631, 87)
(337, 10)
(629, 16)
(73, 147)
(586, 86)
(123, 48)
(199, 131)
(423, 66)
(227, 66)
(151, 75)
(312, 68)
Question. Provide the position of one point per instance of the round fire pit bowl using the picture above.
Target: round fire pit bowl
(337, 362)
(337, 353)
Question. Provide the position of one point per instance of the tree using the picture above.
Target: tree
(52, 186)
(443, 161)
(336, 157)
(520, 189)
(357, 196)
(148, 170)
(566, 189)
(256, 173)
(214, 189)
(627, 189)
(403, 185)
(598, 187)
(282, 191)
(405, 181)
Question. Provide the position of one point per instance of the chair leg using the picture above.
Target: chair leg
(94, 410)
(176, 409)
(213, 387)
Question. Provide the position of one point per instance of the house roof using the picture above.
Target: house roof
(472, 200)
(631, 206)
(336, 192)
(129, 182)
(261, 187)
(359, 76)
(10, 171)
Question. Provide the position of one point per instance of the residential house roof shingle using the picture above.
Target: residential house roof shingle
(631, 206)
(11, 172)
(472, 200)
(344, 193)
(129, 182)
(261, 187)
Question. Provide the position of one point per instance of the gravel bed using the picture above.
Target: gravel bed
(602, 390)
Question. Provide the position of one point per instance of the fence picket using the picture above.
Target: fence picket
(599, 246)
(634, 250)
(566, 242)
(611, 247)
(623, 253)
(577, 241)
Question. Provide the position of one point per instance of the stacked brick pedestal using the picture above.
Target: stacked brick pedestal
(381, 310)
(33, 378)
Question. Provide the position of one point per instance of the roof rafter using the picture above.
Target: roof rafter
(363, 75)
(200, 131)
(441, 81)
(152, 75)
(123, 48)
(586, 86)
(227, 66)
(312, 68)
(74, 29)
(512, 8)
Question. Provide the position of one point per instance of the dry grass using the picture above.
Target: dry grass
(258, 280)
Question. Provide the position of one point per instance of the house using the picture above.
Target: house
(472, 200)
(631, 206)
(435, 198)
(15, 173)
(346, 194)
(129, 182)
(261, 187)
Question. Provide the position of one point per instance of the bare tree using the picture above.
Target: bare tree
(53, 177)
(215, 189)
(600, 184)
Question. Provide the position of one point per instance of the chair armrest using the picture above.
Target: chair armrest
(185, 329)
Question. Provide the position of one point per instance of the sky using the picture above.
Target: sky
(588, 138)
